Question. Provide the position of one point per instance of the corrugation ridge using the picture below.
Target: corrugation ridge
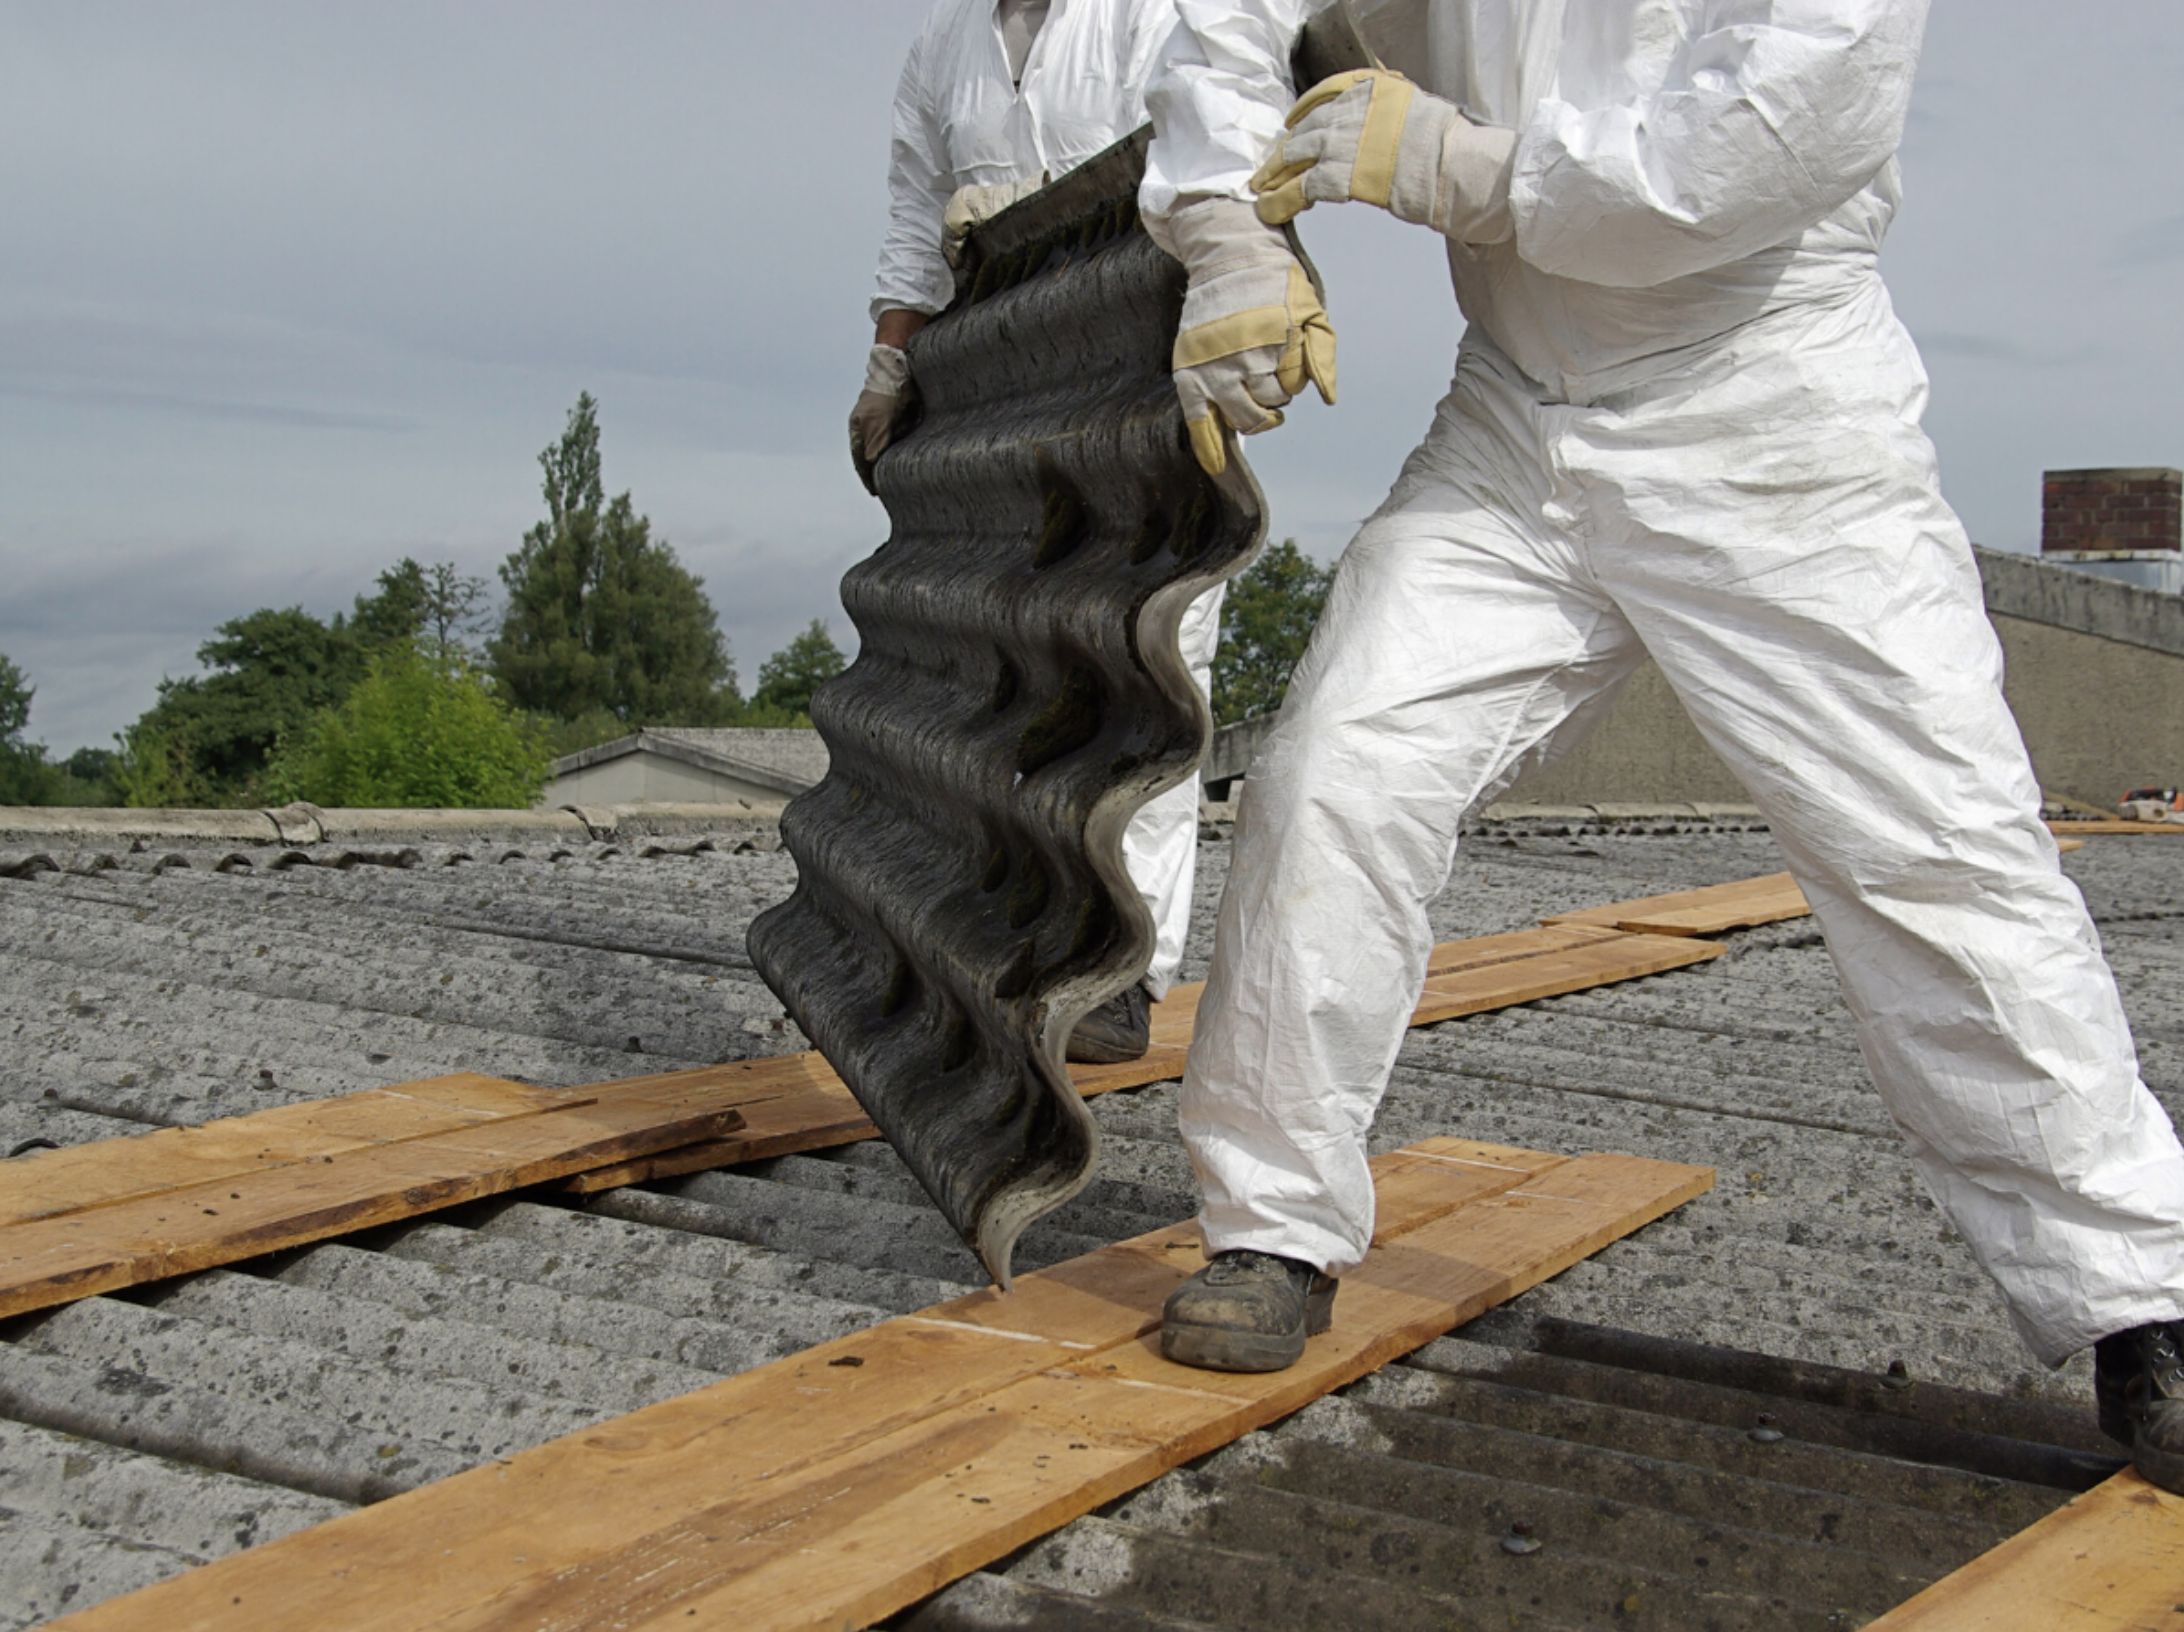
(1018, 694)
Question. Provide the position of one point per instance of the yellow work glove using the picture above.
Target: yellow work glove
(1253, 328)
(974, 206)
(1375, 137)
(881, 408)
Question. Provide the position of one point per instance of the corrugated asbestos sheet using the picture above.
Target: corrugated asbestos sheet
(1018, 694)
(1615, 1413)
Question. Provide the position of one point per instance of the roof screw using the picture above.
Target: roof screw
(1520, 1539)
(1766, 1433)
(1899, 1375)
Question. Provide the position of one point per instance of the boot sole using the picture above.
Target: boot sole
(1099, 1050)
(1217, 1348)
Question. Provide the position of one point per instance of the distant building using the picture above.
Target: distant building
(756, 770)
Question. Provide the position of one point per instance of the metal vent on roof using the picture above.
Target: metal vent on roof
(1018, 694)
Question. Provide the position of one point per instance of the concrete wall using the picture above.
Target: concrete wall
(1645, 752)
(654, 779)
(2100, 717)
(2095, 676)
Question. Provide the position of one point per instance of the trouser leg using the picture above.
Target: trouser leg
(1160, 846)
(1456, 640)
(1825, 628)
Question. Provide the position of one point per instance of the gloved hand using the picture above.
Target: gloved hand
(974, 206)
(1253, 328)
(880, 409)
(1374, 136)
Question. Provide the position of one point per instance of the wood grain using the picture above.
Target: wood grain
(1744, 904)
(1462, 977)
(834, 1487)
(2110, 1561)
(285, 1195)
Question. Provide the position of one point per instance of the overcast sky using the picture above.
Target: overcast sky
(289, 290)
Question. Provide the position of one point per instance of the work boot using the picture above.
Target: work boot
(1119, 1029)
(2138, 1383)
(1246, 1311)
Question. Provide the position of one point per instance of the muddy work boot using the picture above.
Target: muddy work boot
(1119, 1029)
(1246, 1311)
(2138, 1383)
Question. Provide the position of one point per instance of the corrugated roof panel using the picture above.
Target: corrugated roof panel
(238, 1404)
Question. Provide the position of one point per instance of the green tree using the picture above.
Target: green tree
(85, 778)
(396, 613)
(602, 615)
(269, 671)
(1265, 623)
(155, 770)
(415, 731)
(455, 613)
(787, 679)
(23, 773)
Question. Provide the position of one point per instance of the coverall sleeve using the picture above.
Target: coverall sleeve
(1217, 100)
(1775, 113)
(914, 274)
(1151, 22)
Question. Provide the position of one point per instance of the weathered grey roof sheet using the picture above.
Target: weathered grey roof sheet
(788, 759)
(144, 1431)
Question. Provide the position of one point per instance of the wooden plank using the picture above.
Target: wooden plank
(832, 1488)
(1577, 969)
(80, 1177)
(184, 1199)
(2110, 1561)
(1742, 905)
(57, 1258)
(2114, 827)
(831, 1400)
(1462, 977)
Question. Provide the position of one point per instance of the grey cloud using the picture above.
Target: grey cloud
(1985, 348)
(2155, 243)
(261, 413)
(292, 291)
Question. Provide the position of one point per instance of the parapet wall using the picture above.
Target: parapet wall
(2095, 675)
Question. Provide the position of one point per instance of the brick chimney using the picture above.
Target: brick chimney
(2111, 510)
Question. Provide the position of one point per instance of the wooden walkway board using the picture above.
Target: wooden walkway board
(2111, 1561)
(2115, 826)
(80, 1177)
(121, 1212)
(1462, 977)
(178, 1200)
(833, 1487)
(1709, 911)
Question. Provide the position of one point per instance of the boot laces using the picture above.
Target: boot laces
(2165, 1358)
(1231, 1268)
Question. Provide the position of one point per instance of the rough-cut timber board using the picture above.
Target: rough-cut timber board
(2111, 1561)
(128, 1234)
(1709, 911)
(833, 1487)
(1574, 969)
(2115, 826)
(1463, 977)
(80, 1177)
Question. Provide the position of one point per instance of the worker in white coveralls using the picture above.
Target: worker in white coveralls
(1684, 423)
(995, 100)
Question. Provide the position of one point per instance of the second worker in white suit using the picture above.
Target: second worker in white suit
(996, 97)
(1684, 423)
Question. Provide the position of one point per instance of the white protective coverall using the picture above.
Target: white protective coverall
(1684, 422)
(961, 121)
